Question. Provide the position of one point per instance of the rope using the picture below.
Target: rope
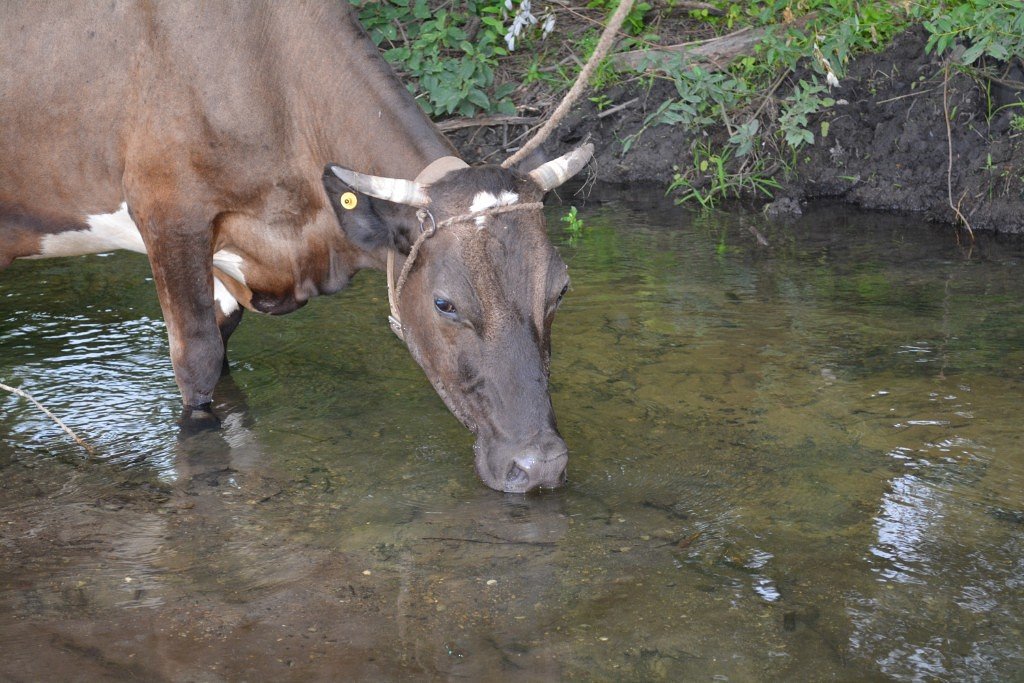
(600, 52)
(395, 288)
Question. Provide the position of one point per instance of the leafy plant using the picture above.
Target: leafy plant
(449, 70)
(601, 101)
(573, 223)
(605, 75)
(804, 101)
(992, 28)
(710, 181)
(701, 94)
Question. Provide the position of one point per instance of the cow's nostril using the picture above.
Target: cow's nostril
(517, 479)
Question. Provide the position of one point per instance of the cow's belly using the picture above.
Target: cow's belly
(112, 231)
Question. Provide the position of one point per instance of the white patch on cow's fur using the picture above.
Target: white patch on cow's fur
(228, 304)
(484, 200)
(230, 264)
(106, 232)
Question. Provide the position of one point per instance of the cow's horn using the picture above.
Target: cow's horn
(557, 171)
(391, 189)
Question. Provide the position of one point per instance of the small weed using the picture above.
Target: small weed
(573, 223)
(605, 75)
(710, 181)
(804, 101)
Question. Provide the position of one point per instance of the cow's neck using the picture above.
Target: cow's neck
(354, 110)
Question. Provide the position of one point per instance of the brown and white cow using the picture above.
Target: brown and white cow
(199, 133)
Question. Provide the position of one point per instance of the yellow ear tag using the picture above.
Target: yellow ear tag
(349, 200)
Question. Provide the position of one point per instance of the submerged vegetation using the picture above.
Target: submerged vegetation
(760, 74)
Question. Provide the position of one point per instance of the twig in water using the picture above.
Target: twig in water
(24, 394)
(757, 235)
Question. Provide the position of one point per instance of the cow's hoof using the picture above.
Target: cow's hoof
(199, 418)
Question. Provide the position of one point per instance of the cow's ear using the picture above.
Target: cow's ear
(368, 223)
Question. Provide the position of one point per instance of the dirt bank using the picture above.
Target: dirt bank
(886, 146)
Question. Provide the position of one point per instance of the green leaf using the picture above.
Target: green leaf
(998, 51)
(506, 107)
(397, 54)
(478, 98)
(494, 24)
(504, 90)
(466, 69)
(972, 53)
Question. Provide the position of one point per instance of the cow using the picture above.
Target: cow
(261, 153)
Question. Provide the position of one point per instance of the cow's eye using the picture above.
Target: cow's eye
(445, 307)
(561, 295)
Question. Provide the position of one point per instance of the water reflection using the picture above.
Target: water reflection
(910, 516)
(793, 462)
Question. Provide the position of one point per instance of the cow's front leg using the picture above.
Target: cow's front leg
(180, 254)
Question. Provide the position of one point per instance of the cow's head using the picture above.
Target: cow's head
(477, 299)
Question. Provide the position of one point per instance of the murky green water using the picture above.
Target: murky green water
(795, 462)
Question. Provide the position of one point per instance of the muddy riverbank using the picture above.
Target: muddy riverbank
(885, 147)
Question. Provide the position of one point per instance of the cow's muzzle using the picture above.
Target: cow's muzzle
(519, 468)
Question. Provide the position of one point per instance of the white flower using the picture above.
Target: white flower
(522, 19)
(549, 25)
(830, 75)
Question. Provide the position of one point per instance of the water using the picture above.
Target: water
(795, 462)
